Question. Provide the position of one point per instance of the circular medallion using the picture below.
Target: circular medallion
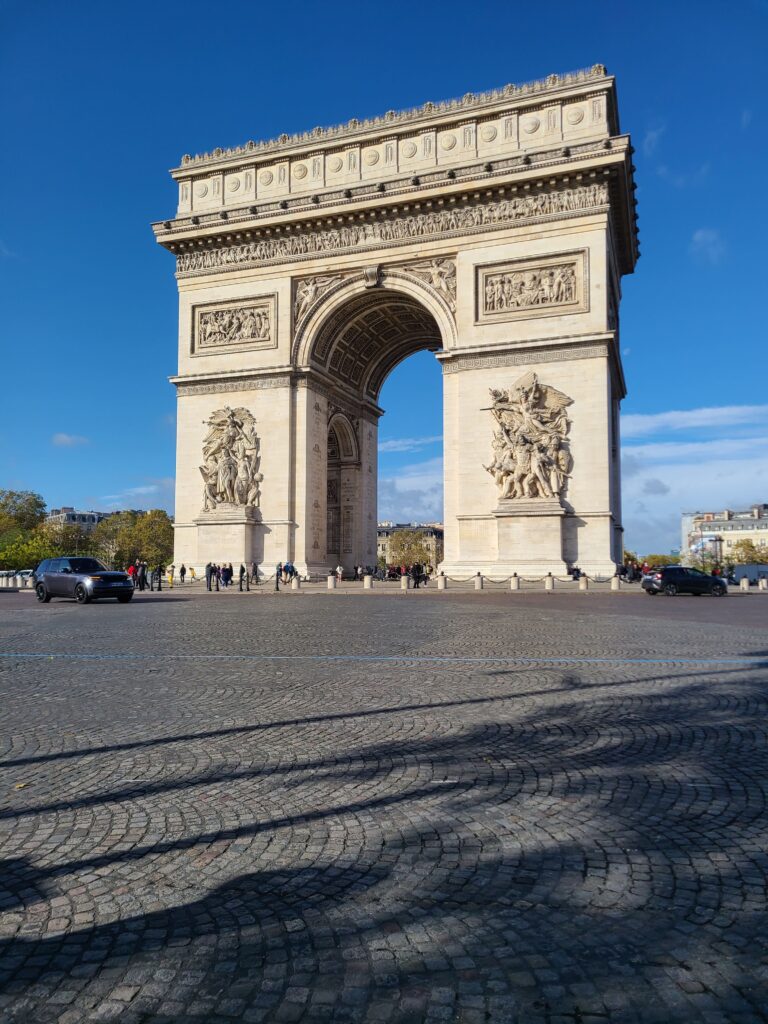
(448, 141)
(409, 149)
(233, 184)
(488, 133)
(266, 177)
(575, 115)
(299, 171)
(335, 163)
(201, 189)
(531, 125)
(371, 157)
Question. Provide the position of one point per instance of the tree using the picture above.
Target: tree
(23, 510)
(630, 556)
(746, 552)
(27, 550)
(654, 560)
(112, 539)
(407, 547)
(152, 537)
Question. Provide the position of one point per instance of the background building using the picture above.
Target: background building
(431, 535)
(69, 516)
(717, 533)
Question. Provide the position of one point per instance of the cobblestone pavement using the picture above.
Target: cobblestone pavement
(388, 809)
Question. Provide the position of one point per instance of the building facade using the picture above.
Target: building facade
(718, 533)
(431, 534)
(67, 515)
(494, 231)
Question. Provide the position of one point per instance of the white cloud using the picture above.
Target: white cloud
(161, 490)
(652, 138)
(707, 245)
(680, 451)
(68, 440)
(408, 444)
(643, 424)
(746, 119)
(414, 495)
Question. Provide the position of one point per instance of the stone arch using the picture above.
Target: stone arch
(359, 330)
(343, 446)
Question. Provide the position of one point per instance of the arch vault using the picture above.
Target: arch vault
(492, 231)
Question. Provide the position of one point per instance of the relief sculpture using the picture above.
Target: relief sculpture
(309, 289)
(231, 457)
(233, 326)
(524, 289)
(531, 458)
(441, 275)
(353, 235)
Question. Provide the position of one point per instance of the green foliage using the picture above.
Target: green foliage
(23, 510)
(112, 540)
(654, 560)
(407, 547)
(746, 552)
(27, 550)
(152, 537)
(630, 556)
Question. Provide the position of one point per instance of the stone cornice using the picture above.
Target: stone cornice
(471, 103)
(393, 227)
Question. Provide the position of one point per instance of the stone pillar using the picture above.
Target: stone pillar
(295, 583)
(549, 581)
(744, 583)
(478, 582)
(441, 582)
(367, 582)
(583, 583)
(514, 582)
(405, 582)
(615, 583)
(332, 581)
(762, 583)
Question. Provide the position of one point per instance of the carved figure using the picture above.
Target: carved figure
(308, 241)
(233, 326)
(309, 289)
(523, 289)
(231, 458)
(530, 445)
(441, 274)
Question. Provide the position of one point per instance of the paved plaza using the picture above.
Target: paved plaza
(395, 808)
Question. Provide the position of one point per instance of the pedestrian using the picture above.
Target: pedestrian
(279, 571)
(208, 575)
(340, 572)
(416, 575)
(171, 569)
(217, 576)
(192, 575)
(159, 574)
(131, 570)
(242, 576)
(182, 572)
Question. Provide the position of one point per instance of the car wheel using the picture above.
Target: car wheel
(670, 589)
(719, 591)
(81, 594)
(124, 598)
(651, 593)
(42, 594)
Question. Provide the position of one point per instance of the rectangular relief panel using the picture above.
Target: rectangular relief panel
(539, 286)
(235, 326)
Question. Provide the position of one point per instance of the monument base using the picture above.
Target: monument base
(230, 533)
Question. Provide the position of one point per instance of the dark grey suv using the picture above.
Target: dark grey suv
(81, 578)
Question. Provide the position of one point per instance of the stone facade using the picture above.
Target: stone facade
(493, 231)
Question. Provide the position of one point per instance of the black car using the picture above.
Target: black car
(81, 578)
(677, 579)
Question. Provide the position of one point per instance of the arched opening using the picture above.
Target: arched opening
(355, 348)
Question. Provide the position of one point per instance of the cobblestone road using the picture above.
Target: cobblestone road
(389, 809)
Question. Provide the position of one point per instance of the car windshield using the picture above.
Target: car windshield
(86, 565)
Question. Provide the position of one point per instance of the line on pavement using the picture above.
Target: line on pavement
(754, 662)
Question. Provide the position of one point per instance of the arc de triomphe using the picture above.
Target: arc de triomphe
(492, 230)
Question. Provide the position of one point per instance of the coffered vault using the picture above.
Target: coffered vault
(492, 230)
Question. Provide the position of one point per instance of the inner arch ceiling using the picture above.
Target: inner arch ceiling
(362, 342)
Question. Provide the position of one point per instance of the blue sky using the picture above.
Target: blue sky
(98, 100)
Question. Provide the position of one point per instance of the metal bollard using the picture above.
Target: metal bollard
(514, 582)
(615, 583)
(549, 581)
(478, 582)
(295, 583)
(744, 583)
(405, 582)
(583, 583)
(367, 582)
(441, 582)
(332, 581)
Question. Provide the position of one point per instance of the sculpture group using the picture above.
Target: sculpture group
(530, 447)
(229, 326)
(521, 289)
(231, 457)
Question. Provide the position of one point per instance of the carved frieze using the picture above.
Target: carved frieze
(308, 290)
(231, 458)
(392, 229)
(531, 456)
(533, 287)
(229, 326)
(440, 274)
